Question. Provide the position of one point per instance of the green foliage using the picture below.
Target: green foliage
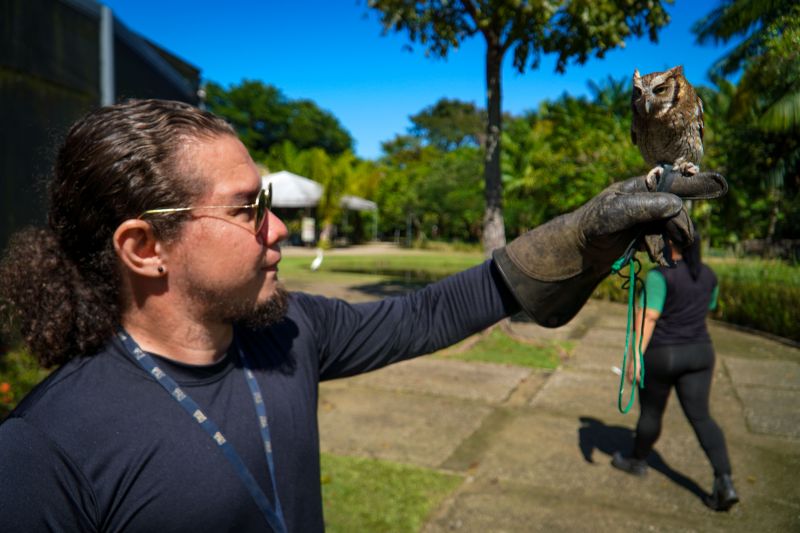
(369, 495)
(263, 117)
(749, 19)
(571, 30)
(438, 194)
(498, 347)
(759, 142)
(19, 373)
(559, 157)
(449, 124)
(760, 294)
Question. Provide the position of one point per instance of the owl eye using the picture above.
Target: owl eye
(660, 89)
(637, 92)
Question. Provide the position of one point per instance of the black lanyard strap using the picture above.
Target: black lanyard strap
(274, 515)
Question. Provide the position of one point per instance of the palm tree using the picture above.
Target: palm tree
(613, 95)
(767, 97)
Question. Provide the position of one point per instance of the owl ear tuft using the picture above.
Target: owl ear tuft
(676, 71)
(636, 75)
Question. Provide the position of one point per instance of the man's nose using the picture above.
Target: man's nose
(274, 230)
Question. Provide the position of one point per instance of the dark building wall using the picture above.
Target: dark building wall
(50, 76)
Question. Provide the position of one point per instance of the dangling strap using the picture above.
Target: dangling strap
(628, 257)
(630, 284)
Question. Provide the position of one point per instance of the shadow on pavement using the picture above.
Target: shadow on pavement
(595, 435)
(393, 287)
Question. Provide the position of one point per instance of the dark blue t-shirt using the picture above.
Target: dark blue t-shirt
(100, 446)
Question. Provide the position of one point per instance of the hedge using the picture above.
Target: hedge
(758, 294)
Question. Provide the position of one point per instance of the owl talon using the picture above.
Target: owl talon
(652, 178)
(688, 168)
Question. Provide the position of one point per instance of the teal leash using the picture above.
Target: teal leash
(630, 284)
(628, 258)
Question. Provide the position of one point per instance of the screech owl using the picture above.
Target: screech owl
(667, 123)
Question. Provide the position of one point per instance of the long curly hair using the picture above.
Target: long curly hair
(60, 285)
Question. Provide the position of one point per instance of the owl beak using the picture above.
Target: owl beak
(647, 107)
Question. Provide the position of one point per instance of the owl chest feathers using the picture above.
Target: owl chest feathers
(665, 139)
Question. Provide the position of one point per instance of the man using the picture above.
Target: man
(186, 394)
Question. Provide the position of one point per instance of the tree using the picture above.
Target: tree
(449, 124)
(614, 95)
(765, 108)
(264, 117)
(746, 19)
(557, 158)
(572, 30)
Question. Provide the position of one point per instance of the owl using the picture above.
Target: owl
(667, 123)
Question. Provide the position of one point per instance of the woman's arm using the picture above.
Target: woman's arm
(650, 318)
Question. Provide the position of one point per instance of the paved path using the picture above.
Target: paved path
(534, 447)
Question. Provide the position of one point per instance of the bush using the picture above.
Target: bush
(759, 294)
(19, 373)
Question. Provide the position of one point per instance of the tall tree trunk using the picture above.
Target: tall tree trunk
(494, 233)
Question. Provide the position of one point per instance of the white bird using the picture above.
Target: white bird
(317, 260)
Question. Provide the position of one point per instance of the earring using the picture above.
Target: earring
(160, 269)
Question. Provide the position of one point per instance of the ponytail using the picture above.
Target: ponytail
(43, 297)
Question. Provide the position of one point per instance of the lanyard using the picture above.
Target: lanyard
(274, 515)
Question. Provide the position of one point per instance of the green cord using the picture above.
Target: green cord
(628, 329)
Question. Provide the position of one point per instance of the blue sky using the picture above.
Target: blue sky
(333, 52)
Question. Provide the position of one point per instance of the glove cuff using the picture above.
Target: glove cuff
(549, 303)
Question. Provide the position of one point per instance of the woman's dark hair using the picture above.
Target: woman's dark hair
(60, 285)
(692, 256)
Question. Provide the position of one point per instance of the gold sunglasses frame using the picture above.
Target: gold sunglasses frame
(264, 199)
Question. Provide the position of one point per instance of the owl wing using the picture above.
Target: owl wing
(698, 111)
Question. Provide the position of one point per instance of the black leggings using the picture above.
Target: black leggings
(689, 368)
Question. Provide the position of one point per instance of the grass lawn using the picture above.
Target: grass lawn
(367, 495)
(499, 347)
(419, 267)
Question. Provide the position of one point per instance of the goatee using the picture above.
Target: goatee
(251, 314)
(267, 313)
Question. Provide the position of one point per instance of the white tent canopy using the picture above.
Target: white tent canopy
(355, 203)
(291, 190)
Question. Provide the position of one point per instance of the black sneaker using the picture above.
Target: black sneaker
(636, 467)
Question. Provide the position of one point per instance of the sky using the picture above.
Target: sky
(334, 53)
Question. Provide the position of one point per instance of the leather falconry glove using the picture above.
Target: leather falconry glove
(553, 269)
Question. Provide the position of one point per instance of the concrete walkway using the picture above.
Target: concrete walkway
(534, 447)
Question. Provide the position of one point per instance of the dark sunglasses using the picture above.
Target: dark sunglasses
(261, 207)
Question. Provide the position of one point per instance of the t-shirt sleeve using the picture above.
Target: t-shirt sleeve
(655, 287)
(712, 304)
(40, 488)
(356, 338)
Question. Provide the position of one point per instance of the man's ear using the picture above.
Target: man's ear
(138, 249)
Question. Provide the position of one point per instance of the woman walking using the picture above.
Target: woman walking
(678, 353)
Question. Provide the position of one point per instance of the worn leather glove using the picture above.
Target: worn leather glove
(553, 269)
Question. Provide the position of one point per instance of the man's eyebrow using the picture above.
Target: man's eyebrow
(245, 197)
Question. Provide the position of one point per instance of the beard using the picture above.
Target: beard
(251, 314)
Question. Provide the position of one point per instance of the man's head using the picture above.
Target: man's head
(222, 264)
(66, 287)
(122, 160)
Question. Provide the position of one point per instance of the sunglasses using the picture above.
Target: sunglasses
(260, 208)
